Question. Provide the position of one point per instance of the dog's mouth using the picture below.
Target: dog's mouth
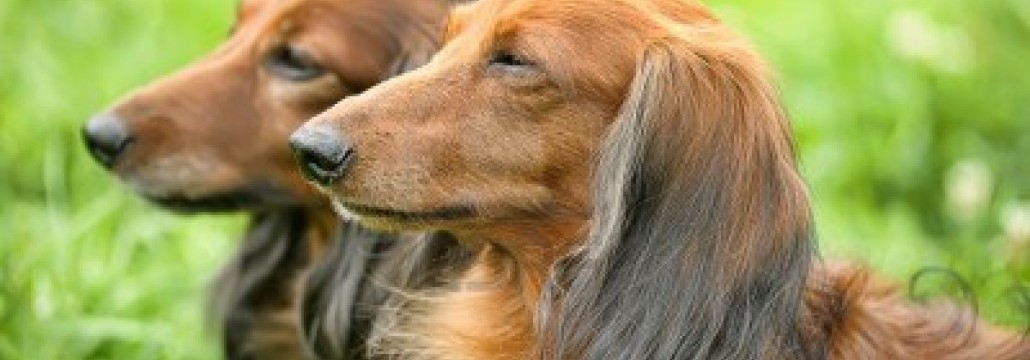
(250, 198)
(439, 214)
(216, 203)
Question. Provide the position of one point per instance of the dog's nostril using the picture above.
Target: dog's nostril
(323, 157)
(106, 138)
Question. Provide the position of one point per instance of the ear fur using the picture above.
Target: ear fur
(259, 277)
(408, 270)
(422, 35)
(353, 290)
(701, 238)
(333, 321)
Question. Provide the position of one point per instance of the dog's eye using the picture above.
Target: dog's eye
(507, 58)
(292, 64)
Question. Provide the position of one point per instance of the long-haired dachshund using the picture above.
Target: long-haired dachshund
(620, 178)
(213, 137)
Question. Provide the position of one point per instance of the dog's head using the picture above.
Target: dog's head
(649, 117)
(214, 135)
(505, 122)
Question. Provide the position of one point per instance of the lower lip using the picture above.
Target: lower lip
(453, 213)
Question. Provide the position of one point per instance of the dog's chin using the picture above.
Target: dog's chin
(394, 219)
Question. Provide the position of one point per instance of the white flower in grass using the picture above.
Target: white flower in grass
(1015, 221)
(968, 186)
(914, 36)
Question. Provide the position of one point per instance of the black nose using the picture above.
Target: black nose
(106, 138)
(322, 155)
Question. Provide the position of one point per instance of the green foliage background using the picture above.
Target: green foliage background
(913, 122)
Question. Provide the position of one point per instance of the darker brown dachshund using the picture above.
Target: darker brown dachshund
(213, 137)
(620, 176)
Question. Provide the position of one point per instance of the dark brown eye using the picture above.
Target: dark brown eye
(508, 59)
(293, 64)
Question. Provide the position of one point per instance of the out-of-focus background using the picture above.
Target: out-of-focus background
(913, 121)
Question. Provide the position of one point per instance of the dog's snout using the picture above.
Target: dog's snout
(106, 138)
(323, 156)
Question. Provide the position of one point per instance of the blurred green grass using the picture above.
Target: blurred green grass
(913, 121)
(86, 270)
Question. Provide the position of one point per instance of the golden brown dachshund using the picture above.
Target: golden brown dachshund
(622, 177)
(213, 137)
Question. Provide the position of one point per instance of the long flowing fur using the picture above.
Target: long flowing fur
(334, 310)
(858, 316)
(699, 244)
(251, 296)
(411, 285)
(344, 297)
(700, 241)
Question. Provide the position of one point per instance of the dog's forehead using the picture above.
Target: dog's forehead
(249, 9)
(262, 21)
(261, 11)
(480, 27)
(556, 19)
(252, 14)
(617, 15)
(554, 33)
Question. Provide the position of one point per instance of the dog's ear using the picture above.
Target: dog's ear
(415, 52)
(260, 275)
(701, 239)
(423, 34)
(354, 287)
(332, 325)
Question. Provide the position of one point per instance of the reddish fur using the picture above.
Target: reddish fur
(517, 149)
(228, 112)
(868, 318)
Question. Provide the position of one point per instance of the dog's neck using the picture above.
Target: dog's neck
(532, 247)
(255, 292)
(486, 310)
(322, 226)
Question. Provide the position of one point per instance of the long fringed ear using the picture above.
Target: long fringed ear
(422, 36)
(332, 325)
(415, 52)
(353, 288)
(701, 238)
(260, 276)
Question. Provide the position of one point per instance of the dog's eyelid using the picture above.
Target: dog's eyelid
(293, 63)
(506, 57)
(513, 64)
